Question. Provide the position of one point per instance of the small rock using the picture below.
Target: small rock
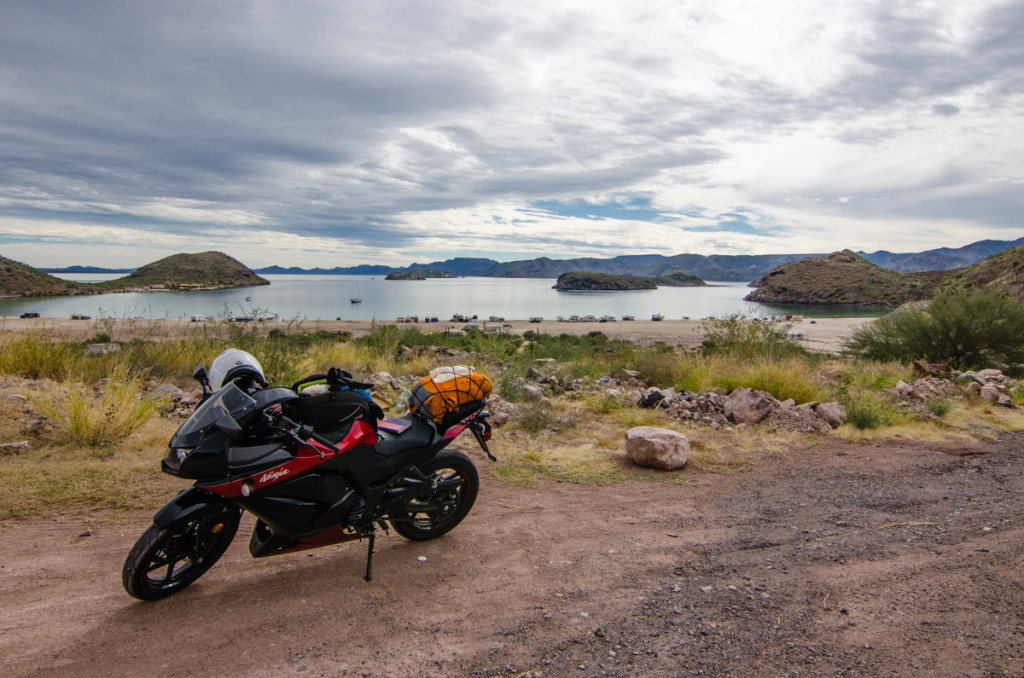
(904, 390)
(14, 448)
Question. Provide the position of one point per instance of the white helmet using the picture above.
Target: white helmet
(233, 364)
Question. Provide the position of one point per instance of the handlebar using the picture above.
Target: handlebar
(300, 433)
(309, 434)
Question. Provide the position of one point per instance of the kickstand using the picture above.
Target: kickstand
(369, 558)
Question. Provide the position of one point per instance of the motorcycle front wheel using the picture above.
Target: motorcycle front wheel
(439, 510)
(167, 559)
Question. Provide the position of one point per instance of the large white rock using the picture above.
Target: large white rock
(658, 448)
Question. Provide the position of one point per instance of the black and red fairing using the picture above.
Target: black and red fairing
(201, 448)
(307, 456)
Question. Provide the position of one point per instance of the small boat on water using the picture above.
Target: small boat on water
(657, 316)
(356, 299)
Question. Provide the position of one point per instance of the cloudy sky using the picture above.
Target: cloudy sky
(340, 132)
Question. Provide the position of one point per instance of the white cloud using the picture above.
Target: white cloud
(389, 131)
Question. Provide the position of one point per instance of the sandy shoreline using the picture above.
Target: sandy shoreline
(821, 334)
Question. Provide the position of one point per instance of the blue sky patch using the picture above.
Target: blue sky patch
(627, 209)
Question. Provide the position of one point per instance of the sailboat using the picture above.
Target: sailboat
(356, 299)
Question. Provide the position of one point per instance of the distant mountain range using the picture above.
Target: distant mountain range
(723, 267)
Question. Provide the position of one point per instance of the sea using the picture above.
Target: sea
(330, 297)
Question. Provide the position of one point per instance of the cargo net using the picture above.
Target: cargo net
(446, 390)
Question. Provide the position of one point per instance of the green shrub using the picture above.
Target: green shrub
(940, 407)
(864, 417)
(964, 329)
(869, 410)
(748, 338)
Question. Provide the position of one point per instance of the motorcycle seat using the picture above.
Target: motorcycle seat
(419, 434)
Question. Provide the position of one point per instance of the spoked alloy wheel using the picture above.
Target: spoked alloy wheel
(455, 484)
(166, 560)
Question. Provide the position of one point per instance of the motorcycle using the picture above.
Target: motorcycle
(313, 469)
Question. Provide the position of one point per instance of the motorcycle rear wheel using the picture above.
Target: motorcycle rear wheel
(442, 509)
(166, 560)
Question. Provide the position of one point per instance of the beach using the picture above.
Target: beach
(817, 334)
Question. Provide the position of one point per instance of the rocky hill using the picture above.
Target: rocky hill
(843, 278)
(205, 270)
(1003, 271)
(18, 279)
(585, 281)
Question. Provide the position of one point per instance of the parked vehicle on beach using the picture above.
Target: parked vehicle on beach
(315, 463)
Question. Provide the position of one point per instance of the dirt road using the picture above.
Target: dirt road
(840, 560)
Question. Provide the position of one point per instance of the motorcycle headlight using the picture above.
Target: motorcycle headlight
(181, 453)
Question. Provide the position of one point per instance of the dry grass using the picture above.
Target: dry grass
(80, 416)
(104, 449)
(52, 476)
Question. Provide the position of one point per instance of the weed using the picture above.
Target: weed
(940, 407)
(101, 420)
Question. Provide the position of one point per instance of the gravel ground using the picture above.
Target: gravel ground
(840, 559)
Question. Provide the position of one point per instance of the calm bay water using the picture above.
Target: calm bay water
(328, 297)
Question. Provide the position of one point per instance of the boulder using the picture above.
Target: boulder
(744, 406)
(833, 414)
(657, 447)
(990, 393)
(904, 390)
(992, 376)
(531, 392)
(922, 368)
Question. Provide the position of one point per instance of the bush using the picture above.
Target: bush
(97, 421)
(966, 330)
(748, 338)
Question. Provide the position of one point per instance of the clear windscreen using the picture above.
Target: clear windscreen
(230, 400)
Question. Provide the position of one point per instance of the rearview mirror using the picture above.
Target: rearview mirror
(199, 374)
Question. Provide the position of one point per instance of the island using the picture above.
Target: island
(577, 281)
(418, 274)
(677, 278)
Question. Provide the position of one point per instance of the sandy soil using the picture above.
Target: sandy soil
(823, 334)
(837, 560)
